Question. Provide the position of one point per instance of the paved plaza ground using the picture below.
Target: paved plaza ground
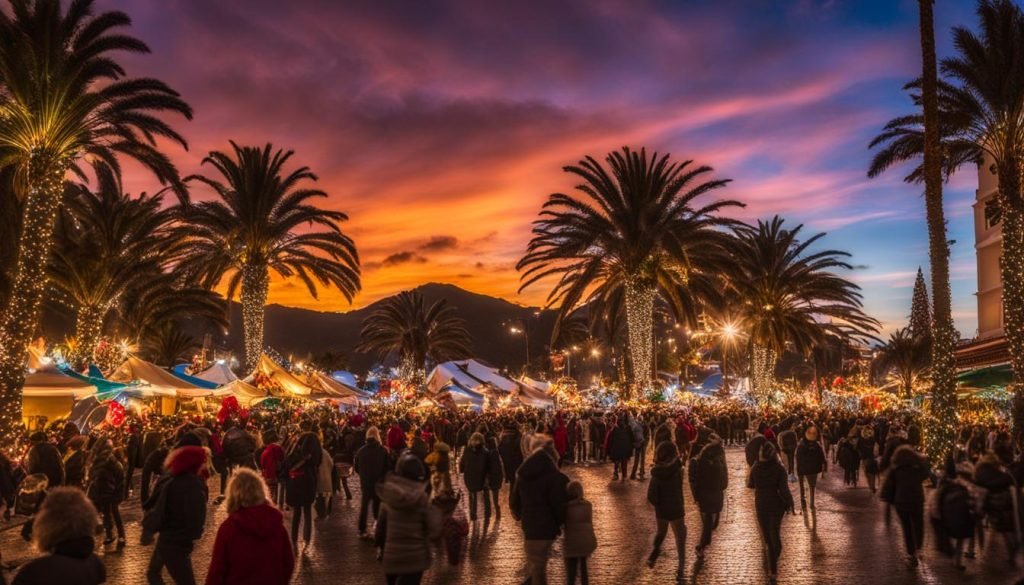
(845, 542)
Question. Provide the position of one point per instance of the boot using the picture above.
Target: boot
(653, 558)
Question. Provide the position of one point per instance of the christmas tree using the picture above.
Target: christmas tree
(920, 309)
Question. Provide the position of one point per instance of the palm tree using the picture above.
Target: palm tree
(791, 296)
(405, 326)
(633, 230)
(64, 98)
(169, 346)
(905, 358)
(108, 243)
(10, 227)
(254, 228)
(979, 115)
(163, 301)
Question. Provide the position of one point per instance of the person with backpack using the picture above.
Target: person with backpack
(810, 461)
(955, 510)
(106, 489)
(709, 477)
(176, 512)
(772, 499)
(903, 490)
(849, 459)
(788, 444)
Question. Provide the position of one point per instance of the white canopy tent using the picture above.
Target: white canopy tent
(469, 374)
(291, 385)
(247, 394)
(328, 387)
(51, 382)
(156, 379)
(218, 373)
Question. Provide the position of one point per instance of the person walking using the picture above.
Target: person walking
(665, 493)
(538, 501)
(45, 458)
(510, 450)
(788, 442)
(866, 448)
(303, 464)
(252, 546)
(619, 446)
(179, 504)
(495, 475)
(639, 430)
(904, 491)
(1000, 504)
(407, 522)
(580, 541)
(473, 466)
(810, 461)
(63, 530)
(772, 499)
(106, 489)
(371, 464)
(709, 477)
(271, 463)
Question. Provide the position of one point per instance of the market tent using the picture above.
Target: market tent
(156, 379)
(289, 383)
(531, 396)
(331, 388)
(454, 394)
(994, 376)
(247, 394)
(179, 371)
(347, 378)
(537, 384)
(469, 374)
(51, 394)
(219, 373)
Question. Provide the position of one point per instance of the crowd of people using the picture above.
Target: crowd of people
(292, 462)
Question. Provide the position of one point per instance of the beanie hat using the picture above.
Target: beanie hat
(189, 439)
(409, 466)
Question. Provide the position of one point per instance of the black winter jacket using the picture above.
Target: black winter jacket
(473, 466)
(371, 463)
(770, 483)
(665, 491)
(538, 498)
(709, 477)
(903, 485)
(511, 451)
(810, 458)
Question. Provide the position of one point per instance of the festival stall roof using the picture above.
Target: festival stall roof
(157, 379)
(247, 394)
(537, 384)
(469, 374)
(178, 371)
(991, 377)
(346, 378)
(456, 395)
(288, 382)
(531, 396)
(218, 373)
(52, 382)
(331, 388)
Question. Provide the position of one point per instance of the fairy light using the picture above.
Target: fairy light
(255, 286)
(762, 372)
(1012, 272)
(920, 310)
(45, 173)
(640, 329)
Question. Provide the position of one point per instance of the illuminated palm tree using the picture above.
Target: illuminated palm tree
(791, 296)
(635, 230)
(904, 358)
(258, 225)
(63, 99)
(405, 326)
(108, 243)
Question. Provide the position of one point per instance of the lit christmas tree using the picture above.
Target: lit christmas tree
(920, 309)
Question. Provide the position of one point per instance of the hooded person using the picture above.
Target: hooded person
(538, 500)
(473, 466)
(63, 530)
(45, 458)
(407, 522)
(106, 489)
(665, 493)
(252, 545)
(709, 477)
(510, 450)
(772, 499)
(371, 463)
(179, 505)
(810, 461)
(903, 490)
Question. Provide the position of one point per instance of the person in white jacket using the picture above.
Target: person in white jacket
(325, 485)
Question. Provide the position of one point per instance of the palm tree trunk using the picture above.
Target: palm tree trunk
(640, 330)
(21, 317)
(943, 406)
(88, 329)
(1012, 272)
(255, 285)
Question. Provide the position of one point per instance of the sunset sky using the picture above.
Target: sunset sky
(441, 126)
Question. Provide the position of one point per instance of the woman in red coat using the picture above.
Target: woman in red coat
(252, 546)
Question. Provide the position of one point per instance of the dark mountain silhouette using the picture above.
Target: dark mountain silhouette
(303, 333)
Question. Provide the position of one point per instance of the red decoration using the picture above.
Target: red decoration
(229, 408)
(116, 414)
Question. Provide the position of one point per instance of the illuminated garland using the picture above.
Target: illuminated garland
(1012, 272)
(255, 286)
(45, 174)
(640, 327)
(762, 376)
(920, 311)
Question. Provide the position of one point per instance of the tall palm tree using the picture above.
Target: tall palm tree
(790, 295)
(405, 326)
(904, 358)
(977, 115)
(108, 243)
(633, 229)
(161, 301)
(169, 346)
(257, 226)
(64, 98)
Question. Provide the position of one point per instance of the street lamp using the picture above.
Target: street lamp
(729, 333)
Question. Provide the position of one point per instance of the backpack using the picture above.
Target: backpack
(31, 494)
(156, 506)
